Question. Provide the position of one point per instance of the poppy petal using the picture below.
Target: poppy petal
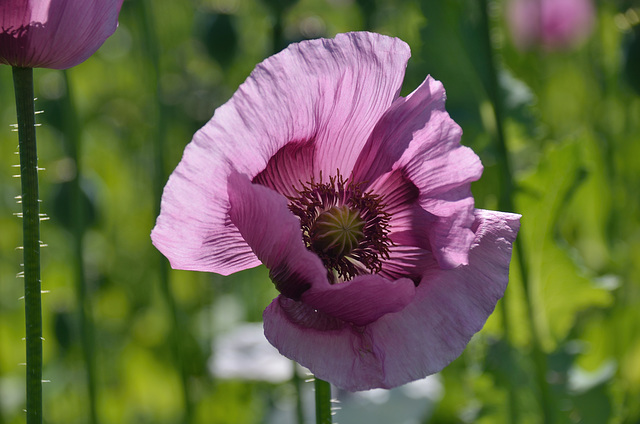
(362, 300)
(448, 308)
(273, 232)
(318, 98)
(417, 137)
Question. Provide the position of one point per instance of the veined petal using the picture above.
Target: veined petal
(418, 122)
(274, 234)
(361, 300)
(418, 139)
(54, 34)
(448, 308)
(285, 170)
(406, 260)
(325, 93)
(335, 350)
(194, 230)
(316, 101)
(358, 95)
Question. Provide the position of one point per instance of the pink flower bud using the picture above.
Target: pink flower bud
(55, 34)
(550, 24)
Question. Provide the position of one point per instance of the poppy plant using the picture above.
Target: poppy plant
(358, 202)
(55, 34)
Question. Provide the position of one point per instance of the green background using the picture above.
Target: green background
(572, 126)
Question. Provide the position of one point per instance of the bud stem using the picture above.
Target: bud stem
(25, 110)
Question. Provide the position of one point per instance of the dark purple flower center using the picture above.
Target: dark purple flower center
(346, 227)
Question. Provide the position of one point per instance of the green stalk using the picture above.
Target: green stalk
(507, 203)
(2, 420)
(297, 382)
(78, 215)
(323, 401)
(514, 416)
(160, 118)
(25, 110)
(278, 32)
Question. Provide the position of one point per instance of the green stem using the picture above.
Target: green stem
(278, 32)
(160, 118)
(78, 215)
(506, 202)
(297, 382)
(514, 416)
(25, 109)
(323, 401)
(2, 419)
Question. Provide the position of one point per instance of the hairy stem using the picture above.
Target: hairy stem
(25, 109)
(323, 402)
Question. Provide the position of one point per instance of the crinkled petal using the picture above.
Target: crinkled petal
(417, 138)
(328, 93)
(451, 236)
(319, 99)
(285, 170)
(397, 191)
(332, 349)
(448, 308)
(273, 232)
(361, 300)
(406, 261)
(358, 97)
(194, 230)
(54, 34)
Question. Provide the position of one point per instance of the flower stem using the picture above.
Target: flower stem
(507, 203)
(25, 110)
(297, 382)
(159, 119)
(323, 401)
(79, 222)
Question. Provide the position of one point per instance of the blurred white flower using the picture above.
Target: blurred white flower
(244, 353)
(408, 404)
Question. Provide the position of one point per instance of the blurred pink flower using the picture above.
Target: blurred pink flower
(358, 202)
(550, 24)
(54, 34)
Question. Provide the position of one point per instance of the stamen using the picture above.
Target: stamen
(346, 227)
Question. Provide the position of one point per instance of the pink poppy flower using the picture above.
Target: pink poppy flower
(358, 202)
(550, 24)
(55, 34)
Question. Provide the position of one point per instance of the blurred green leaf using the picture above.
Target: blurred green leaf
(62, 202)
(632, 59)
(559, 288)
(219, 35)
(573, 128)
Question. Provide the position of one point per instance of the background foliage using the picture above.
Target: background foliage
(572, 125)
